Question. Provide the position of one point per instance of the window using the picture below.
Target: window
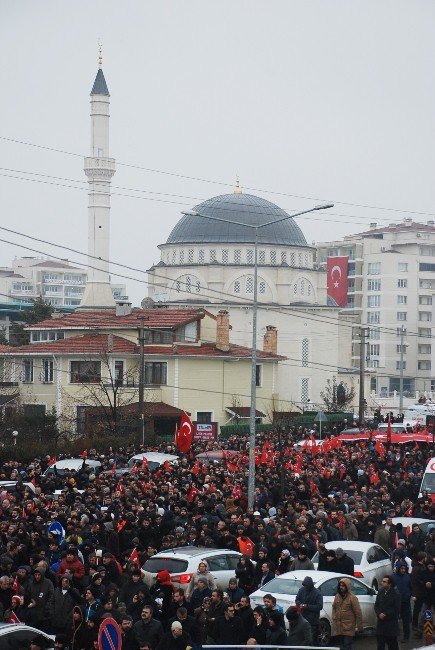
(85, 372)
(402, 267)
(198, 286)
(374, 301)
(401, 348)
(401, 315)
(302, 287)
(424, 331)
(174, 256)
(425, 300)
(225, 256)
(47, 371)
(373, 285)
(204, 417)
(201, 256)
(46, 336)
(425, 348)
(423, 266)
(373, 316)
(373, 268)
(188, 284)
(329, 588)
(52, 288)
(262, 257)
(158, 336)
(402, 283)
(402, 300)
(373, 363)
(190, 256)
(425, 284)
(300, 259)
(400, 365)
(306, 259)
(81, 418)
(273, 257)
(350, 302)
(305, 389)
(213, 255)
(292, 259)
(236, 286)
(374, 334)
(237, 256)
(249, 256)
(427, 251)
(374, 349)
(249, 284)
(156, 373)
(399, 331)
(119, 373)
(305, 352)
(351, 286)
(424, 365)
(178, 286)
(258, 375)
(373, 384)
(262, 287)
(360, 589)
(425, 316)
(217, 563)
(181, 257)
(27, 371)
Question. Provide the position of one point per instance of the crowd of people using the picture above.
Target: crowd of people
(66, 584)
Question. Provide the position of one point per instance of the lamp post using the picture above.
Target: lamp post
(253, 405)
(15, 436)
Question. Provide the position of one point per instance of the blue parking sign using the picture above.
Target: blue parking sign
(109, 635)
(427, 615)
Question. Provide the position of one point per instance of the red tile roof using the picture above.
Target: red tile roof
(60, 265)
(153, 409)
(107, 319)
(99, 343)
(87, 344)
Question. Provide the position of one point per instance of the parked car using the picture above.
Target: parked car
(407, 523)
(216, 456)
(286, 586)
(11, 486)
(15, 635)
(154, 458)
(183, 562)
(304, 443)
(371, 561)
(74, 464)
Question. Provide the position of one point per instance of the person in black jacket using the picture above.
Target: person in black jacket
(148, 629)
(344, 562)
(246, 615)
(228, 628)
(276, 635)
(127, 634)
(260, 628)
(245, 571)
(310, 600)
(331, 561)
(387, 609)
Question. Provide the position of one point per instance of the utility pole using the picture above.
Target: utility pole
(140, 408)
(402, 345)
(362, 362)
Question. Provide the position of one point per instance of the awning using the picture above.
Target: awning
(243, 412)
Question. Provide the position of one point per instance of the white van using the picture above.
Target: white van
(428, 482)
(419, 412)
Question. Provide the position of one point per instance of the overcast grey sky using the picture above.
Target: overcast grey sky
(329, 99)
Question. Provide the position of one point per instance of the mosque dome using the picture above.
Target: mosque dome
(245, 208)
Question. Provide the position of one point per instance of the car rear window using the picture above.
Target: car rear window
(280, 586)
(171, 564)
(355, 555)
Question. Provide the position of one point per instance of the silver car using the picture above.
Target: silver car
(182, 563)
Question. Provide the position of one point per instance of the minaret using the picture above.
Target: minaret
(99, 169)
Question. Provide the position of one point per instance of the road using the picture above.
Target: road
(369, 643)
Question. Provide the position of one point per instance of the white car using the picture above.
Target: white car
(307, 443)
(182, 563)
(407, 523)
(154, 458)
(11, 486)
(74, 464)
(16, 635)
(371, 562)
(286, 587)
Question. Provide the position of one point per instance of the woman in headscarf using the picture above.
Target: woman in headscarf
(245, 571)
(202, 572)
(283, 562)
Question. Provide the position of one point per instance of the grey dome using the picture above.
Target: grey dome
(246, 208)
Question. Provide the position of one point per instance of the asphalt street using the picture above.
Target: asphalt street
(368, 642)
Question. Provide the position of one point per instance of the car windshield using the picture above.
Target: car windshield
(428, 482)
(171, 564)
(152, 465)
(281, 586)
(355, 555)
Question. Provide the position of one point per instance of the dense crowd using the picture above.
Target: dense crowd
(67, 584)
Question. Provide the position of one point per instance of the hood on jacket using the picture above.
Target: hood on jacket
(308, 582)
(164, 577)
(39, 569)
(400, 565)
(77, 609)
(347, 582)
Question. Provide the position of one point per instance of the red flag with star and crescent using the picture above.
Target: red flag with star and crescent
(184, 435)
(336, 271)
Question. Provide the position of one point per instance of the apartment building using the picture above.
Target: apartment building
(391, 282)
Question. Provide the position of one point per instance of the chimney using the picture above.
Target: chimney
(123, 309)
(57, 314)
(223, 331)
(270, 343)
(110, 343)
(373, 225)
(408, 221)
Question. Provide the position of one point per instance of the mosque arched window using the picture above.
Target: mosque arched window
(190, 255)
(262, 257)
(249, 256)
(198, 286)
(249, 284)
(236, 286)
(292, 259)
(262, 287)
(181, 257)
(188, 284)
(273, 257)
(178, 286)
(305, 352)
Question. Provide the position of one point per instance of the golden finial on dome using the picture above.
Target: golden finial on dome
(100, 54)
(237, 189)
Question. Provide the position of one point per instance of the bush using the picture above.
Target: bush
(242, 429)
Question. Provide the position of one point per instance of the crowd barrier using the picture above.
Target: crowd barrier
(265, 647)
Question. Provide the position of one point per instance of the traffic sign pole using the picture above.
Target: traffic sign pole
(109, 635)
(427, 627)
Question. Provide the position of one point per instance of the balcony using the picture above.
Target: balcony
(31, 293)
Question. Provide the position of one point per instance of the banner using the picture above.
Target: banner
(205, 432)
(336, 270)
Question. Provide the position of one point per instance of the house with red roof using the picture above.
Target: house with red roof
(85, 365)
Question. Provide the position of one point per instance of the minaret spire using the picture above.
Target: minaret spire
(237, 189)
(100, 55)
(99, 169)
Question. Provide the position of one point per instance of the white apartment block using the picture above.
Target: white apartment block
(60, 283)
(391, 284)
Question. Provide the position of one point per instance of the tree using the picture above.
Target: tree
(40, 311)
(3, 337)
(337, 398)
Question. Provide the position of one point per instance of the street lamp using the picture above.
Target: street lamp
(15, 436)
(325, 206)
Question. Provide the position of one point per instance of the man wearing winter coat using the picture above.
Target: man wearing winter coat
(402, 582)
(346, 614)
(387, 610)
(299, 629)
(40, 595)
(310, 600)
(65, 598)
(148, 629)
(343, 562)
(73, 566)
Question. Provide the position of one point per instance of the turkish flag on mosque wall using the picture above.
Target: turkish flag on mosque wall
(336, 270)
(184, 435)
